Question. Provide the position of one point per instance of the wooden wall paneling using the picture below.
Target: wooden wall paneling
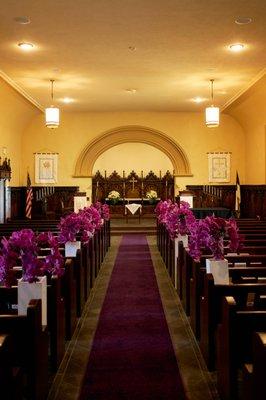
(56, 204)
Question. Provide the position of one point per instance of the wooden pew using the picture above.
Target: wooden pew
(10, 375)
(180, 266)
(250, 274)
(30, 348)
(187, 271)
(56, 321)
(254, 379)
(234, 342)
(55, 316)
(210, 310)
(80, 277)
(70, 296)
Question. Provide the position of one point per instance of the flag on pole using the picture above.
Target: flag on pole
(238, 196)
(29, 198)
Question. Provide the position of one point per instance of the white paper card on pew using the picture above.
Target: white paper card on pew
(71, 248)
(219, 270)
(29, 291)
(184, 239)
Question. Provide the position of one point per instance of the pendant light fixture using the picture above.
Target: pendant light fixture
(52, 113)
(212, 114)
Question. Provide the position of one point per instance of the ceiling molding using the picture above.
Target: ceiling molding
(244, 90)
(21, 91)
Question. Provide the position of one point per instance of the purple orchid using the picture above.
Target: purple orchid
(103, 209)
(54, 261)
(82, 224)
(179, 219)
(210, 233)
(25, 245)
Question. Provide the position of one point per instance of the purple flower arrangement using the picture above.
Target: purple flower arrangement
(54, 261)
(210, 233)
(103, 209)
(25, 245)
(83, 224)
(177, 219)
(162, 209)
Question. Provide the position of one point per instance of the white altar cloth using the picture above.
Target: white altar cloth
(132, 208)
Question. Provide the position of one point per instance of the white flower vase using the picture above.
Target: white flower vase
(29, 291)
(184, 239)
(71, 248)
(219, 270)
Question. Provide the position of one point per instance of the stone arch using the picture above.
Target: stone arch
(131, 134)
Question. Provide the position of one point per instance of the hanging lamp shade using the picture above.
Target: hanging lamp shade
(52, 117)
(52, 113)
(212, 114)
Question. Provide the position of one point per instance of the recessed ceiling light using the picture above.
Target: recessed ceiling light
(67, 100)
(236, 47)
(25, 46)
(243, 20)
(198, 99)
(131, 90)
(22, 20)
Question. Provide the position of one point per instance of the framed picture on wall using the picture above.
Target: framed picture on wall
(219, 167)
(46, 167)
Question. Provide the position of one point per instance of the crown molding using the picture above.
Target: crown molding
(244, 90)
(21, 91)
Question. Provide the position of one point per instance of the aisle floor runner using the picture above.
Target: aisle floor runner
(132, 356)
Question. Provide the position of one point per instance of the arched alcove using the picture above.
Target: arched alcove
(131, 134)
(140, 157)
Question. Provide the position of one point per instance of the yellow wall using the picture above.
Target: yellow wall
(16, 112)
(250, 111)
(241, 131)
(187, 129)
(133, 156)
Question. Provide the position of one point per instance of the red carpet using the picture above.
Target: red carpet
(132, 356)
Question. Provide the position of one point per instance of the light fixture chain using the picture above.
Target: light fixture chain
(52, 89)
(212, 80)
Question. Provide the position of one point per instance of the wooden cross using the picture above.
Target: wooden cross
(133, 180)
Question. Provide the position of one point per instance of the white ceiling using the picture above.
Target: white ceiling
(180, 45)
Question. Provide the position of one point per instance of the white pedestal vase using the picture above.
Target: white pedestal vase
(184, 239)
(29, 291)
(71, 248)
(219, 270)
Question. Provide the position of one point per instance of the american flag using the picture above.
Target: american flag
(238, 195)
(29, 198)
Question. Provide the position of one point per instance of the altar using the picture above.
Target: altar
(137, 200)
(119, 209)
(132, 189)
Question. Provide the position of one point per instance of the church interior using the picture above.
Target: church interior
(115, 113)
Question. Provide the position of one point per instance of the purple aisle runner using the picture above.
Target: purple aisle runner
(132, 356)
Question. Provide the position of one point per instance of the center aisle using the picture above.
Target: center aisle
(132, 356)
